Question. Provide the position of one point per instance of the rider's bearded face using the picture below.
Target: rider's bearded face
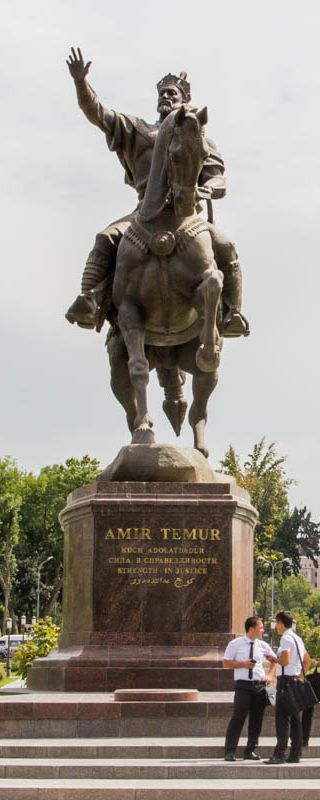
(169, 98)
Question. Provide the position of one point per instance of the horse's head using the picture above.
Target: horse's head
(186, 154)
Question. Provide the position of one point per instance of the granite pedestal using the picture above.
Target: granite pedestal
(158, 577)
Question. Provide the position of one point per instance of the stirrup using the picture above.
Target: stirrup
(235, 324)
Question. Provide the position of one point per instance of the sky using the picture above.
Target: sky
(256, 65)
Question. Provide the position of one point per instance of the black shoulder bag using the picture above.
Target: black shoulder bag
(314, 679)
(297, 695)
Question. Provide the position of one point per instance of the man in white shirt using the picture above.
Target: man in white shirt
(288, 669)
(245, 655)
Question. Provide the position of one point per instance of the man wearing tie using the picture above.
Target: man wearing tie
(245, 655)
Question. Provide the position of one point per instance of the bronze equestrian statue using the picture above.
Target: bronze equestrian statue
(168, 281)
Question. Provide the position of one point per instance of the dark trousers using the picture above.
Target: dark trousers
(307, 717)
(287, 724)
(249, 698)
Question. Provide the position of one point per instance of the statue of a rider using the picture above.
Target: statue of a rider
(132, 139)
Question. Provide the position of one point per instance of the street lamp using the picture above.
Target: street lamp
(9, 629)
(38, 582)
(23, 622)
(273, 564)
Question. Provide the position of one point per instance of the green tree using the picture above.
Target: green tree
(263, 476)
(43, 497)
(304, 624)
(315, 606)
(294, 593)
(280, 533)
(10, 502)
(297, 534)
(313, 642)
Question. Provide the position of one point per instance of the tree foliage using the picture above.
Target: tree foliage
(279, 532)
(44, 638)
(10, 502)
(263, 476)
(294, 593)
(281, 535)
(298, 534)
(29, 525)
(313, 642)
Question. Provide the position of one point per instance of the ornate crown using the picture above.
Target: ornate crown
(181, 82)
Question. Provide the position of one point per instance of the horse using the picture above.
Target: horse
(167, 288)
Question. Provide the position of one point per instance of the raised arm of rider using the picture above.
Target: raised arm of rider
(87, 98)
(94, 110)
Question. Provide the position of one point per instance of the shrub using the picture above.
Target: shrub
(313, 643)
(3, 672)
(44, 638)
(304, 624)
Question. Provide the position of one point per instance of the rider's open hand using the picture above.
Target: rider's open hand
(78, 69)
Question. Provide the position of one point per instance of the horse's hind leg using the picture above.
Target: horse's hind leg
(132, 328)
(120, 379)
(203, 385)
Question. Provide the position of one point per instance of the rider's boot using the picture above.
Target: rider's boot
(83, 311)
(94, 305)
(234, 323)
(96, 287)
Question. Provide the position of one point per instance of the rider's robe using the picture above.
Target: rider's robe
(132, 139)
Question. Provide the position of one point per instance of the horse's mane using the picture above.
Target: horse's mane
(157, 186)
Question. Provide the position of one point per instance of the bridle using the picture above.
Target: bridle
(175, 186)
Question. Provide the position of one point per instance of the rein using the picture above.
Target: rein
(180, 187)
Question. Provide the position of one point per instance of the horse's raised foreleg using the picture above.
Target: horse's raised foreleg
(120, 380)
(132, 328)
(202, 387)
(208, 295)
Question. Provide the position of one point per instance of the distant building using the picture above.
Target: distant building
(310, 571)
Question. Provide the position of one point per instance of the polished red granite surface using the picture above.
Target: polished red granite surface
(158, 578)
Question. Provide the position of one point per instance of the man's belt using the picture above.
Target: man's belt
(250, 683)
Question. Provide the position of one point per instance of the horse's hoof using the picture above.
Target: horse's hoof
(143, 436)
(207, 363)
(203, 450)
(143, 423)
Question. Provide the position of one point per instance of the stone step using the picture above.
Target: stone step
(79, 715)
(175, 748)
(154, 769)
(241, 789)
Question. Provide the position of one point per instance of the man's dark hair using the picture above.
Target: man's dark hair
(285, 617)
(251, 622)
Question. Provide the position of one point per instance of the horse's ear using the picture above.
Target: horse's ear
(180, 115)
(202, 116)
